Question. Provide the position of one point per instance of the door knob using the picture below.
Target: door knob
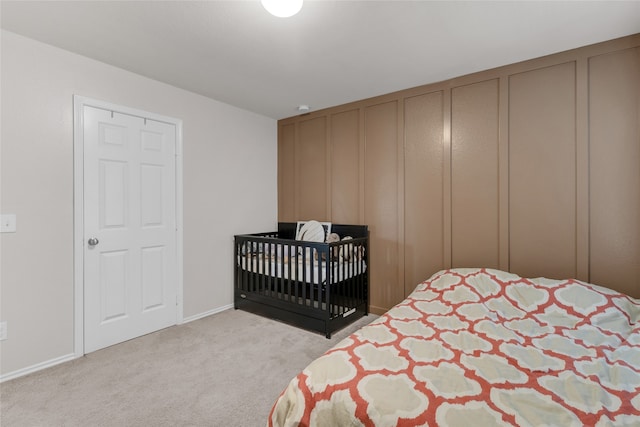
(93, 241)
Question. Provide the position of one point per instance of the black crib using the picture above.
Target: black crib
(318, 286)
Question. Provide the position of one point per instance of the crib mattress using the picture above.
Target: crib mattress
(301, 268)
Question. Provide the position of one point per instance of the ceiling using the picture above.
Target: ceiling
(331, 53)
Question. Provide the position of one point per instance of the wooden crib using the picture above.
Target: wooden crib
(317, 286)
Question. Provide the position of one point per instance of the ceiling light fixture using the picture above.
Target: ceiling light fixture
(282, 8)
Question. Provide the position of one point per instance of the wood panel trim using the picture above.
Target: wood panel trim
(296, 169)
(361, 162)
(582, 169)
(446, 179)
(400, 191)
(328, 212)
(503, 174)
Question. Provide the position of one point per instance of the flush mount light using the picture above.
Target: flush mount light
(282, 8)
(303, 108)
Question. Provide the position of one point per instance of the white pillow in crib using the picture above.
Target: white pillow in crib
(311, 231)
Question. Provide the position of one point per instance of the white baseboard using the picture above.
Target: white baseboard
(58, 360)
(206, 313)
(37, 367)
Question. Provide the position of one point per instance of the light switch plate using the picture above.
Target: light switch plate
(8, 223)
(3, 331)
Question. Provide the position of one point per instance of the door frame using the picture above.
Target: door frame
(79, 102)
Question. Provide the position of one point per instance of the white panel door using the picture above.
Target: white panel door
(130, 255)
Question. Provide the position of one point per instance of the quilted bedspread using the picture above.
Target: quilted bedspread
(480, 347)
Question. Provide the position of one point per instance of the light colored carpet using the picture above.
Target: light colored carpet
(224, 370)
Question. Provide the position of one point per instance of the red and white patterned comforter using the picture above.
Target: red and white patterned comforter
(480, 348)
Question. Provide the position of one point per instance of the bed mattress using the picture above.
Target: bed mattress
(480, 347)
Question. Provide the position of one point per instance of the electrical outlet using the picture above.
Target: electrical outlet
(3, 331)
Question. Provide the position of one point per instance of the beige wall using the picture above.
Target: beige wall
(532, 168)
(230, 185)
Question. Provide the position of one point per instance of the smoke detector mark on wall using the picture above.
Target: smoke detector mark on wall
(3, 331)
(8, 223)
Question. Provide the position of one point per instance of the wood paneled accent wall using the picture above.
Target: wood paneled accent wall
(532, 168)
